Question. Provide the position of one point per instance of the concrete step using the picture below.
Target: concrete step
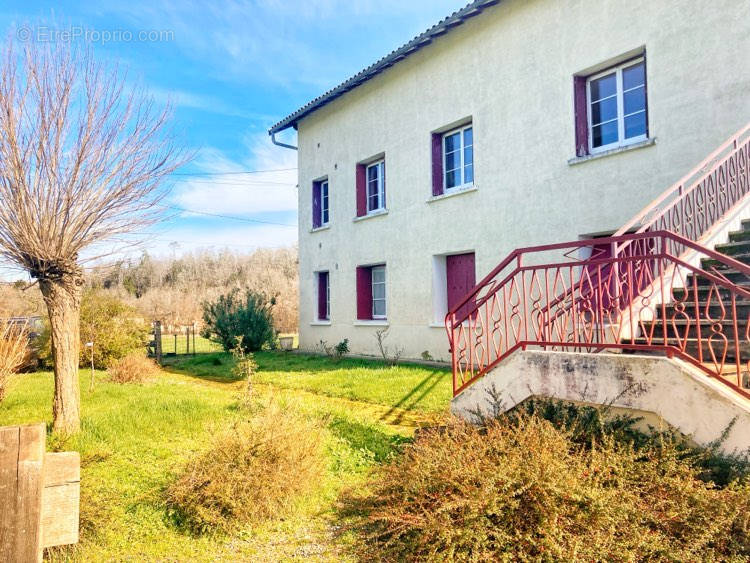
(692, 347)
(707, 263)
(681, 326)
(704, 291)
(714, 309)
(734, 276)
(737, 236)
(733, 248)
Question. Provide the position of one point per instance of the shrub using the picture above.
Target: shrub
(253, 472)
(115, 329)
(336, 352)
(13, 351)
(520, 489)
(133, 368)
(234, 319)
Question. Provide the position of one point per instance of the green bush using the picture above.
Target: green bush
(240, 320)
(115, 328)
(521, 489)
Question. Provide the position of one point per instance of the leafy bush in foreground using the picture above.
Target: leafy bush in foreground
(240, 320)
(252, 472)
(522, 489)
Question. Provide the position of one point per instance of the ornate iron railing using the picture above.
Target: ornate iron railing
(640, 295)
(640, 301)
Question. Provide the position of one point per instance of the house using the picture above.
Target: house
(509, 124)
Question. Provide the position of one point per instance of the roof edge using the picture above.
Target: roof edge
(422, 40)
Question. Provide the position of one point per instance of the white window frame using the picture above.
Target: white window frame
(324, 203)
(620, 94)
(463, 185)
(380, 165)
(372, 292)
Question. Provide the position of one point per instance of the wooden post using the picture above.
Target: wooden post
(175, 343)
(157, 341)
(39, 494)
(187, 334)
(193, 339)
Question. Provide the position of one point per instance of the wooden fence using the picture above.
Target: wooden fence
(39, 494)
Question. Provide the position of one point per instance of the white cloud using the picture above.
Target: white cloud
(231, 193)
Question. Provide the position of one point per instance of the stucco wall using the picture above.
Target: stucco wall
(510, 70)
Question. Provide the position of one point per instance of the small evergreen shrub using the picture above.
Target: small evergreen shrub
(243, 320)
(133, 368)
(254, 471)
(521, 489)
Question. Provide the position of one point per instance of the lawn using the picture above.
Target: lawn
(135, 439)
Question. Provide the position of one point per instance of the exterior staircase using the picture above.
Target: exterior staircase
(714, 303)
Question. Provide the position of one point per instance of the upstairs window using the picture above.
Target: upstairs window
(453, 159)
(370, 187)
(458, 158)
(376, 186)
(320, 204)
(611, 108)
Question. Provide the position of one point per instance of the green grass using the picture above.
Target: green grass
(171, 343)
(407, 387)
(135, 439)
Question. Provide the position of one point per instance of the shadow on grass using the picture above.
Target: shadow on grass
(367, 437)
(414, 396)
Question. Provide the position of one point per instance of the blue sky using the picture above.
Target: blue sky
(233, 68)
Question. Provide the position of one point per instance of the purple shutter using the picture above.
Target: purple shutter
(581, 115)
(461, 277)
(316, 204)
(437, 163)
(361, 190)
(322, 296)
(364, 293)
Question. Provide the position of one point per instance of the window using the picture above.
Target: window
(324, 296)
(376, 186)
(458, 158)
(371, 292)
(616, 108)
(320, 204)
(378, 292)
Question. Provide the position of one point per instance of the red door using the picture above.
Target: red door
(461, 279)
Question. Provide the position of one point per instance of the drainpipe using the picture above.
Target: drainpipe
(280, 144)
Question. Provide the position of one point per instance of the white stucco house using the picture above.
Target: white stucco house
(510, 123)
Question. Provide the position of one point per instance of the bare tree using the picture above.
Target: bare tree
(82, 158)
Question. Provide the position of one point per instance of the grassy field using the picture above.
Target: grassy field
(135, 439)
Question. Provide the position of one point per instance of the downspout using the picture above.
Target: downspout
(280, 144)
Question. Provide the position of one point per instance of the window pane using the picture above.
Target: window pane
(452, 178)
(452, 160)
(635, 125)
(378, 275)
(378, 308)
(633, 76)
(604, 134)
(378, 291)
(635, 100)
(452, 142)
(468, 156)
(605, 110)
(468, 136)
(372, 173)
(469, 174)
(603, 87)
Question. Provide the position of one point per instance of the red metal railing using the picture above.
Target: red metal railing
(644, 296)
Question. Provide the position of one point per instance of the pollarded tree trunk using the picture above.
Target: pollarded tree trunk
(63, 299)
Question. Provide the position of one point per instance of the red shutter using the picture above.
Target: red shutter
(361, 190)
(437, 163)
(316, 205)
(581, 115)
(322, 295)
(364, 293)
(461, 277)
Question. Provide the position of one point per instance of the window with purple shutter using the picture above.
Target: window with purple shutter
(324, 296)
(437, 164)
(611, 109)
(461, 278)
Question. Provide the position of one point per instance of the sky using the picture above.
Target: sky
(231, 69)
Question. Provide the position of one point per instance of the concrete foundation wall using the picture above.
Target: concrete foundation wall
(686, 399)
